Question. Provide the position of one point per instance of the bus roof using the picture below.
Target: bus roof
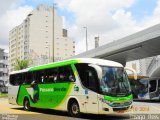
(71, 61)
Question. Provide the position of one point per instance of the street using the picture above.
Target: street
(17, 112)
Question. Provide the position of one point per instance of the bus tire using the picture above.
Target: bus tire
(73, 108)
(26, 105)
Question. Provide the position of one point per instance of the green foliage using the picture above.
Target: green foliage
(3, 95)
(21, 64)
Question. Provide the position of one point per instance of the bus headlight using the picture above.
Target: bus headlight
(107, 102)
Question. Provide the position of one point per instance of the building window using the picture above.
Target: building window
(4, 66)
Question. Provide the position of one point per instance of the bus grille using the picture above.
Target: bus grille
(119, 109)
(121, 104)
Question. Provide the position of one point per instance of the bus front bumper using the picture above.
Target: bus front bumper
(106, 109)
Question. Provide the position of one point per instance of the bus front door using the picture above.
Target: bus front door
(91, 102)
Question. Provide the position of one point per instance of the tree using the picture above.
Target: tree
(21, 64)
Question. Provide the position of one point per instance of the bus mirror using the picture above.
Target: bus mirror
(133, 71)
(149, 85)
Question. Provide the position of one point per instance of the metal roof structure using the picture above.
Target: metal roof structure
(145, 43)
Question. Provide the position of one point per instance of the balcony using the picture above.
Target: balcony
(4, 62)
(4, 78)
(1, 61)
(1, 69)
(5, 70)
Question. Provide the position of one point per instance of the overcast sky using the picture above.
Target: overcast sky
(108, 19)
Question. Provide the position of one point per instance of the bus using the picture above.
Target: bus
(82, 85)
(149, 89)
(135, 85)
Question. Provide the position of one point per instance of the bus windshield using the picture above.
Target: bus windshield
(114, 81)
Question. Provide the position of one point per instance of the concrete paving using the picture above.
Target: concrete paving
(17, 112)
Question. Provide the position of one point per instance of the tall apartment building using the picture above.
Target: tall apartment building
(40, 38)
(3, 66)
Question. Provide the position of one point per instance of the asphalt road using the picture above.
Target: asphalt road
(13, 112)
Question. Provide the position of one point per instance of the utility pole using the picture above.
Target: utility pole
(54, 4)
(86, 39)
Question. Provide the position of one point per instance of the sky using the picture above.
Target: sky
(108, 19)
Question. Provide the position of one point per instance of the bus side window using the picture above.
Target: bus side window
(36, 76)
(51, 75)
(159, 83)
(91, 79)
(28, 78)
(18, 79)
(65, 74)
(88, 76)
(12, 79)
(153, 84)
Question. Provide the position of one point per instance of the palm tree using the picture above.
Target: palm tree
(21, 64)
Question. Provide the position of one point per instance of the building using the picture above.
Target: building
(134, 66)
(96, 42)
(144, 64)
(141, 66)
(3, 67)
(34, 38)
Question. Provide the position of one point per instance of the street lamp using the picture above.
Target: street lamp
(54, 7)
(86, 39)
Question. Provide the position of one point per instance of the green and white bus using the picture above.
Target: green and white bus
(82, 85)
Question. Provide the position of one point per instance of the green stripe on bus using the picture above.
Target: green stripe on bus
(47, 99)
(65, 96)
(118, 99)
(52, 65)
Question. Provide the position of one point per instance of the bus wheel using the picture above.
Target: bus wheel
(73, 109)
(26, 105)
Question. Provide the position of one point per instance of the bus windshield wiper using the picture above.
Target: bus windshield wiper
(122, 83)
(115, 86)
